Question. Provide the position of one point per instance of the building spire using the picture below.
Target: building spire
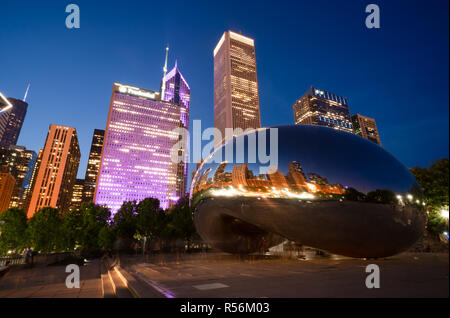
(163, 86)
(26, 93)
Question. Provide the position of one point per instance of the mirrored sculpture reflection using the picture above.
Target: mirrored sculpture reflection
(328, 189)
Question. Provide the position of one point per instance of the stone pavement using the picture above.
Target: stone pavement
(49, 282)
(225, 276)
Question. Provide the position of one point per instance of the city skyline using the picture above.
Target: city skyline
(393, 122)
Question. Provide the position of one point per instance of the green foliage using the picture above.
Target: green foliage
(436, 223)
(81, 227)
(381, 196)
(352, 194)
(13, 228)
(125, 220)
(151, 219)
(106, 237)
(45, 230)
(434, 183)
(181, 224)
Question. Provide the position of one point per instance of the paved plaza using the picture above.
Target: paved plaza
(49, 282)
(221, 275)
(226, 276)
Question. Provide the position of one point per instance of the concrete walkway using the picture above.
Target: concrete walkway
(49, 282)
(226, 276)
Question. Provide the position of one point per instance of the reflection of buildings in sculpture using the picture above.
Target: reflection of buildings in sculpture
(296, 177)
(317, 179)
(319, 183)
(277, 180)
(219, 171)
(239, 175)
(203, 183)
(241, 179)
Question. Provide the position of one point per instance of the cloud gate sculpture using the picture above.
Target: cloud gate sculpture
(328, 189)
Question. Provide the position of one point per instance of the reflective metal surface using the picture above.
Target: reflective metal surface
(329, 189)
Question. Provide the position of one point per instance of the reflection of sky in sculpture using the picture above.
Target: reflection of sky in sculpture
(340, 157)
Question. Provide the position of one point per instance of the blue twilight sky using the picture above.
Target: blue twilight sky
(398, 74)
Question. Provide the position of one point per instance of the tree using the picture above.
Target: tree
(125, 220)
(150, 218)
(94, 219)
(45, 230)
(434, 183)
(72, 226)
(181, 223)
(82, 226)
(13, 228)
(381, 196)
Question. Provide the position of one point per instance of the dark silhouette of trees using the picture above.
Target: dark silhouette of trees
(13, 227)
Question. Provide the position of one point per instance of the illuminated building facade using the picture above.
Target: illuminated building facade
(236, 98)
(322, 108)
(136, 161)
(20, 163)
(57, 170)
(93, 167)
(14, 118)
(29, 190)
(77, 194)
(7, 182)
(5, 107)
(177, 91)
(366, 128)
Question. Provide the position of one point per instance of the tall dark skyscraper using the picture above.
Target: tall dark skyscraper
(14, 118)
(77, 194)
(93, 167)
(5, 107)
(20, 164)
(318, 107)
(366, 128)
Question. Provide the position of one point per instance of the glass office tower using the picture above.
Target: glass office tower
(366, 128)
(322, 108)
(93, 167)
(14, 122)
(136, 157)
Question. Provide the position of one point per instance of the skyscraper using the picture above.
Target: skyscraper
(236, 98)
(318, 107)
(77, 194)
(366, 128)
(20, 164)
(6, 189)
(93, 167)
(28, 191)
(57, 171)
(136, 157)
(5, 107)
(14, 121)
(177, 91)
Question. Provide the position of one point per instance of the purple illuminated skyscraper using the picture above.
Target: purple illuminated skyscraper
(136, 157)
